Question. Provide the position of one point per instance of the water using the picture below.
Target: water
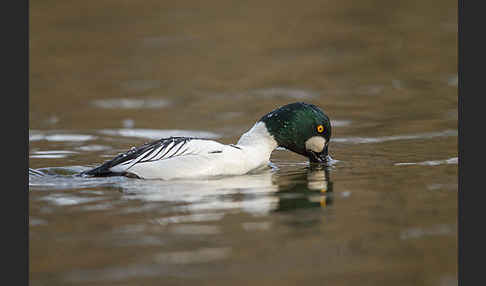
(106, 77)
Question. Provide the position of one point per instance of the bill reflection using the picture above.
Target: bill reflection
(309, 189)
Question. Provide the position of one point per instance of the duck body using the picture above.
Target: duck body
(184, 157)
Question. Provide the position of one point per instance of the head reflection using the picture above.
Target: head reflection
(309, 189)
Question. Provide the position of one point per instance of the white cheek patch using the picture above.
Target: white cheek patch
(315, 144)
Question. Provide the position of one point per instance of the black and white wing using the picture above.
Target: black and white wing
(150, 152)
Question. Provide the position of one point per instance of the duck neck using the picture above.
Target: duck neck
(259, 140)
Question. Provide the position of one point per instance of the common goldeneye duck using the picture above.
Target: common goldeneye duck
(299, 127)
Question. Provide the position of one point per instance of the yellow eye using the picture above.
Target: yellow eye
(320, 128)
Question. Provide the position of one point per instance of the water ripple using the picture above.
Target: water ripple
(35, 135)
(202, 255)
(65, 200)
(129, 103)
(366, 140)
(453, 160)
(416, 232)
(286, 93)
(51, 154)
(200, 217)
(157, 134)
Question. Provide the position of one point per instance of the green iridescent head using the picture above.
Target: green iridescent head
(302, 128)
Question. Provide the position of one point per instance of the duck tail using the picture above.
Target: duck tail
(100, 171)
(103, 171)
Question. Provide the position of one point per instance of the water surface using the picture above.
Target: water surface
(110, 75)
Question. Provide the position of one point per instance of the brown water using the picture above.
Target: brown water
(108, 75)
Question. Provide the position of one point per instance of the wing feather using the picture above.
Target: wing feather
(154, 151)
(175, 151)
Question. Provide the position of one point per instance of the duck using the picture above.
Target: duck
(299, 127)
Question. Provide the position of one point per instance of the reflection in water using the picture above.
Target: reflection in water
(258, 193)
(306, 190)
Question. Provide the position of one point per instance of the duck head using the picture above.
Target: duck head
(302, 128)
